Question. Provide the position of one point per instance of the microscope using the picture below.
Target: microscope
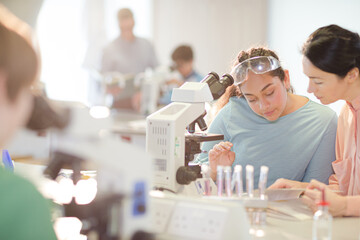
(170, 133)
(81, 140)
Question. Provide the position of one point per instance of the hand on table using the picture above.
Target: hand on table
(286, 183)
(312, 196)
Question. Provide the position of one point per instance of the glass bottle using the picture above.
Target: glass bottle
(322, 221)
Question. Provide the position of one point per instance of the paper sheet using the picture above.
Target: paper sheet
(284, 193)
(289, 210)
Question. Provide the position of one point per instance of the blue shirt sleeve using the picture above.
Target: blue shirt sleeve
(319, 167)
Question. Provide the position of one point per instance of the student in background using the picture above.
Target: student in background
(24, 213)
(331, 60)
(183, 59)
(264, 123)
(127, 55)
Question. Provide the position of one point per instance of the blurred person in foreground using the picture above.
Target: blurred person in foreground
(24, 213)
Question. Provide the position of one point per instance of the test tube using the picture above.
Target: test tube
(220, 180)
(227, 173)
(205, 170)
(237, 180)
(263, 180)
(250, 180)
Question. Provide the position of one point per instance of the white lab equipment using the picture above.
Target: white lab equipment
(179, 217)
(151, 81)
(166, 138)
(123, 174)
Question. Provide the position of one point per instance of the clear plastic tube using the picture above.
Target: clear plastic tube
(220, 180)
(237, 180)
(205, 170)
(227, 173)
(263, 180)
(250, 180)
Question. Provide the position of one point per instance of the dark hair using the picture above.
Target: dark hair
(18, 61)
(182, 53)
(333, 49)
(242, 56)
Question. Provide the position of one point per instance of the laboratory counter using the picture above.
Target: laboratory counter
(130, 126)
(276, 229)
(288, 219)
(292, 220)
(342, 229)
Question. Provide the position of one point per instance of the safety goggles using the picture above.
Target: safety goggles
(259, 65)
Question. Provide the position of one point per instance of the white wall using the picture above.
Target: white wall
(217, 29)
(291, 22)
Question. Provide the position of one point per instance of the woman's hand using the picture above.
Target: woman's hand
(285, 183)
(220, 154)
(312, 196)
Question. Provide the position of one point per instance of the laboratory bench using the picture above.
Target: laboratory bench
(289, 219)
(344, 228)
(282, 227)
(130, 126)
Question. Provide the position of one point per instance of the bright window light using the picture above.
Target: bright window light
(66, 34)
(62, 50)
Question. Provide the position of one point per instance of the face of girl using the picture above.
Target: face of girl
(266, 95)
(327, 87)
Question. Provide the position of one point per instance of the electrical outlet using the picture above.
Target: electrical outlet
(194, 220)
(161, 210)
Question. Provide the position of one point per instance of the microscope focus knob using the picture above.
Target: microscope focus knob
(185, 175)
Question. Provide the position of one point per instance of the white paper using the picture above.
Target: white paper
(284, 193)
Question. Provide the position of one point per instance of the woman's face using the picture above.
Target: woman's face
(327, 87)
(266, 95)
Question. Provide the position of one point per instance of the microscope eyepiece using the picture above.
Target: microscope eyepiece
(227, 80)
(218, 86)
(212, 76)
(44, 115)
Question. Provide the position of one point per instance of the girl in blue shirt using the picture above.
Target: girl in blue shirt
(264, 123)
